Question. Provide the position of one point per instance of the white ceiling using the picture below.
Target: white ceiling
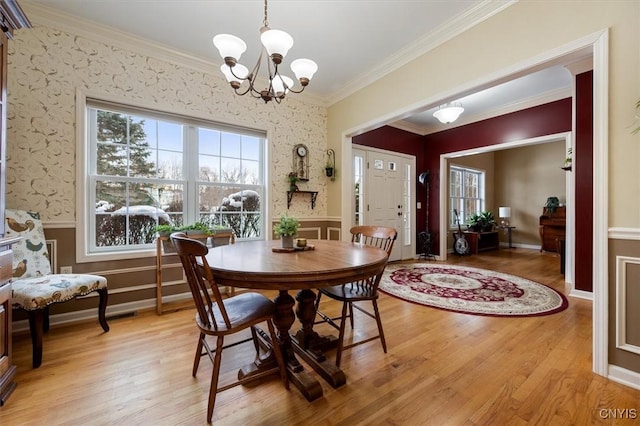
(354, 42)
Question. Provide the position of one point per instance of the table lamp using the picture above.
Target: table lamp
(504, 213)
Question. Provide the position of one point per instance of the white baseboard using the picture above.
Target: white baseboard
(624, 376)
(92, 314)
(581, 294)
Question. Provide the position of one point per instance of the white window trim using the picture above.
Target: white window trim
(481, 189)
(82, 219)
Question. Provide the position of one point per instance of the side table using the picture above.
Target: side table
(507, 230)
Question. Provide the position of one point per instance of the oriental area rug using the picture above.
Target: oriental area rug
(470, 290)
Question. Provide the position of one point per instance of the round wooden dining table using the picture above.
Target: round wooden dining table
(262, 265)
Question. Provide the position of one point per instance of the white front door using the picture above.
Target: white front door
(388, 195)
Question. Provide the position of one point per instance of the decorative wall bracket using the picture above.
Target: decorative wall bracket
(314, 195)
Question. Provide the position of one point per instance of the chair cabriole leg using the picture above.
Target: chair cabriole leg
(102, 308)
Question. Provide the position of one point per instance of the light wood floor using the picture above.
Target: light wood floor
(442, 368)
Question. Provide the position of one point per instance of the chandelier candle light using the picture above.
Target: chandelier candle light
(448, 113)
(276, 44)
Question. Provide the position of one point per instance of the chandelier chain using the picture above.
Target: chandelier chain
(266, 21)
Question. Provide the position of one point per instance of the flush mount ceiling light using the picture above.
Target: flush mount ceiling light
(276, 44)
(448, 113)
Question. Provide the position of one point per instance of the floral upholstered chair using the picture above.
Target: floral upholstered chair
(35, 287)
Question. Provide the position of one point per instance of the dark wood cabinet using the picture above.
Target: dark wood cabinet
(482, 241)
(11, 18)
(552, 229)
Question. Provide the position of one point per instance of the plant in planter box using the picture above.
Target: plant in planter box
(474, 222)
(222, 235)
(487, 221)
(165, 230)
(198, 231)
(286, 229)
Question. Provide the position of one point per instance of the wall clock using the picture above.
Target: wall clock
(301, 161)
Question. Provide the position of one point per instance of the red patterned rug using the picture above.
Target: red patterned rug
(471, 290)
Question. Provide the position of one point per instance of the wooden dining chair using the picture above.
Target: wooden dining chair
(364, 290)
(220, 317)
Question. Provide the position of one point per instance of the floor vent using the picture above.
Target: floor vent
(123, 315)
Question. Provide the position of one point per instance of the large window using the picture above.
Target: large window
(466, 192)
(146, 168)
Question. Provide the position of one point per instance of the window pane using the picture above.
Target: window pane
(250, 172)
(208, 141)
(170, 165)
(209, 167)
(230, 145)
(170, 136)
(250, 148)
(233, 207)
(230, 171)
(111, 160)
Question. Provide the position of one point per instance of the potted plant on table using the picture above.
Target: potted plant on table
(286, 229)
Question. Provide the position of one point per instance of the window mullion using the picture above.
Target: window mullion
(191, 173)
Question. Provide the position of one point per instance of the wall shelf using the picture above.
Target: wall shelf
(314, 195)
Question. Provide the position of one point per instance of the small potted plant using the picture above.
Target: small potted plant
(551, 205)
(286, 229)
(293, 180)
(328, 169)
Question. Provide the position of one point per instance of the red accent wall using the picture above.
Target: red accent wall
(583, 174)
(554, 117)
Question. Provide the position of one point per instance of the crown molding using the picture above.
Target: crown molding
(457, 25)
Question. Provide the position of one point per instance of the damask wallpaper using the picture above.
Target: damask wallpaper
(47, 66)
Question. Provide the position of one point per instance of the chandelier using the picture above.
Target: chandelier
(276, 44)
(448, 113)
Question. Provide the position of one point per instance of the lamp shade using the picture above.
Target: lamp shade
(276, 42)
(304, 68)
(504, 212)
(229, 46)
(240, 72)
(278, 84)
(448, 113)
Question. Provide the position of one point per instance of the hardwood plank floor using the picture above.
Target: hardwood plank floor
(441, 368)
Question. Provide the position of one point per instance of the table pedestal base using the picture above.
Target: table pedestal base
(306, 383)
(324, 367)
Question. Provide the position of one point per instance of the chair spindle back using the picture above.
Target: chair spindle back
(198, 276)
(376, 236)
